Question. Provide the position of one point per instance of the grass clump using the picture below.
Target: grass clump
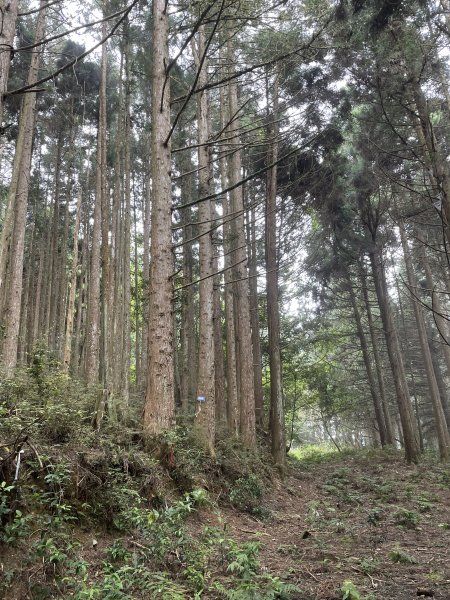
(246, 494)
(407, 518)
(398, 555)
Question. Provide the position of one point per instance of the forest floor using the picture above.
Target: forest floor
(371, 521)
(360, 525)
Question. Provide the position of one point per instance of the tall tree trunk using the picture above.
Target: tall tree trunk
(93, 325)
(390, 434)
(205, 411)
(438, 168)
(254, 312)
(137, 300)
(273, 310)
(188, 337)
(231, 367)
(219, 355)
(146, 268)
(377, 405)
(73, 288)
(244, 353)
(411, 442)
(439, 311)
(63, 292)
(439, 378)
(439, 417)
(16, 214)
(53, 289)
(8, 11)
(159, 410)
(126, 306)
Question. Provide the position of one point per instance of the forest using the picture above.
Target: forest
(224, 299)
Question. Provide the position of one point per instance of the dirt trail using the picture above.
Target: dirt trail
(384, 526)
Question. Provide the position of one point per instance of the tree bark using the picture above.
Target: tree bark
(254, 313)
(205, 411)
(8, 11)
(159, 410)
(232, 407)
(439, 417)
(273, 309)
(377, 405)
(188, 336)
(73, 288)
(411, 442)
(244, 353)
(93, 325)
(16, 213)
(390, 435)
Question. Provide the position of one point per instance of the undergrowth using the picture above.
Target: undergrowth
(64, 486)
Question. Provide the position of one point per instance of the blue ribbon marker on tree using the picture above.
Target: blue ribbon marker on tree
(201, 398)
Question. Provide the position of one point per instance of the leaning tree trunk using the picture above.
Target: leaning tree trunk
(377, 405)
(159, 410)
(390, 435)
(439, 417)
(411, 443)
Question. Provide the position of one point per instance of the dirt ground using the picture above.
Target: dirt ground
(384, 526)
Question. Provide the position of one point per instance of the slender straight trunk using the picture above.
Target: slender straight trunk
(146, 267)
(93, 325)
(44, 317)
(254, 312)
(63, 292)
(137, 300)
(126, 306)
(411, 442)
(73, 288)
(232, 407)
(39, 291)
(8, 11)
(159, 410)
(30, 302)
(117, 245)
(439, 417)
(205, 411)
(273, 309)
(108, 343)
(406, 348)
(390, 434)
(79, 341)
(188, 344)
(26, 300)
(243, 334)
(54, 249)
(377, 405)
(219, 355)
(219, 372)
(16, 213)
